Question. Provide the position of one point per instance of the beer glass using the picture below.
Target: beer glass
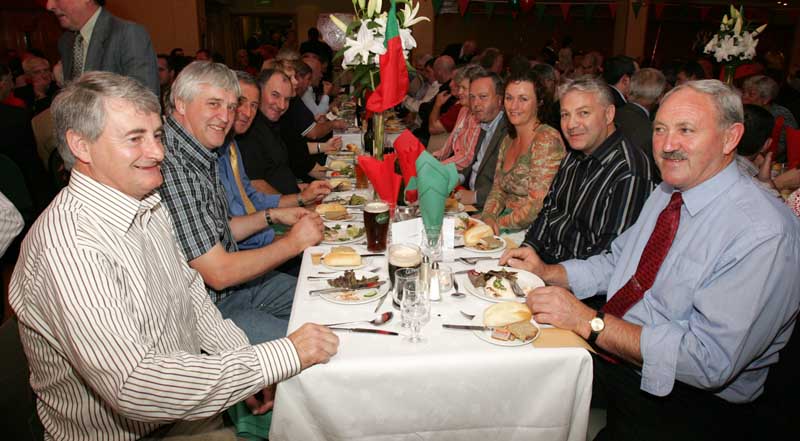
(376, 222)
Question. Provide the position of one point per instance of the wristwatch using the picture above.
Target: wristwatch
(300, 201)
(267, 217)
(597, 324)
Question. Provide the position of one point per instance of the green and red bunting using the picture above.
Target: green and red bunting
(394, 74)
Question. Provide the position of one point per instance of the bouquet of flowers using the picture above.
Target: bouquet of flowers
(364, 40)
(736, 40)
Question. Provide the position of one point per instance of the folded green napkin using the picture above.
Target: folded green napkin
(249, 426)
(435, 181)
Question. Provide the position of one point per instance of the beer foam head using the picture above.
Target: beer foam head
(376, 207)
(404, 256)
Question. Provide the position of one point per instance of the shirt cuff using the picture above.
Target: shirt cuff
(659, 345)
(278, 359)
(581, 281)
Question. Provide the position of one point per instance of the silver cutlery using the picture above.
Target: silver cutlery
(472, 260)
(468, 327)
(377, 321)
(330, 290)
(467, 316)
(516, 289)
(456, 294)
(368, 331)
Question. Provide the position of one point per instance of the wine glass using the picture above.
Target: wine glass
(416, 309)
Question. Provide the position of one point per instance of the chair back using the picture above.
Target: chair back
(12, 184)
(17, 401)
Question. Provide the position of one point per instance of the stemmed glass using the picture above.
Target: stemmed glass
(416, 309)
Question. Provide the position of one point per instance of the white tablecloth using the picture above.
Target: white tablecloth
(452, 387)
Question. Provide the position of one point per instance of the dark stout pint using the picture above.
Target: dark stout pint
(376, 222)
(402, 256)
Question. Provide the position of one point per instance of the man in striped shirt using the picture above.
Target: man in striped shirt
(601, 186)
(122, 339)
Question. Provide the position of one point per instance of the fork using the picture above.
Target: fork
(474, 259)
(516, 288)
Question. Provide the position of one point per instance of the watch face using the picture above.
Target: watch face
(597, 324)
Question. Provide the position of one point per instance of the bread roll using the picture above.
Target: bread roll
(331, 211)
(476, 233)
(337, 165)
(342, 256)
(505, 313)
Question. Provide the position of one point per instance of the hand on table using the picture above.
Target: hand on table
(524, 258)
(307, 231)
(260, 405)
(468, 197)
(333, 145)
(556, 306)
(314, 344)
(316, 191)
(288, 215)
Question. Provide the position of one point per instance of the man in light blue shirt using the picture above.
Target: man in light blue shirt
(701, 341)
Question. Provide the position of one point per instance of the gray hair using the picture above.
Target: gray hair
(81, 107)
(187, 83)
(647, 85)
(765, 87)
(466, 72)
(248, 79)
(497, 81)
(29, 63)
(727, 102)
(287, 54)
(588, 84)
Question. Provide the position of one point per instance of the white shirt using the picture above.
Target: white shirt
(489, 128)
(310, 102)
(113, 322)
(86, 32)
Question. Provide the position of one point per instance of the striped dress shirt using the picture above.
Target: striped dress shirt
(592, 200)
(113, 322)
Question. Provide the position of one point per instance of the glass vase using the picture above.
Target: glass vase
(378, 132)
(730, 73)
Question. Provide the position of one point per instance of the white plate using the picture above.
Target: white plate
(452, 212)
(344, 226)
(460, 233)
(478, 250)
(487, 335)
(334, 297)
(333, 174)
(344, 219)
(343, 268)
(344, 196)
(527, 281)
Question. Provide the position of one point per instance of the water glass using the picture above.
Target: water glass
(416, 310)
(445, 276)
(402, 277)
(432, 243)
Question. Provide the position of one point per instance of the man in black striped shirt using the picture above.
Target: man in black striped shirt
(602, 184)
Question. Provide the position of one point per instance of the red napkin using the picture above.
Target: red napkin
(408, 149)
(382, 176)
(792, 147)
(777, 129)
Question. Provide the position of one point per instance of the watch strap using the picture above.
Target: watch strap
(268, 217)
(594, 334)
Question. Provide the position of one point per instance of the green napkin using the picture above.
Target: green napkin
(435, 182)
(249, 426)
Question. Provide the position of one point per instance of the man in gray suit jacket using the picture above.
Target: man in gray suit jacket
(96, 40)
(486, 103)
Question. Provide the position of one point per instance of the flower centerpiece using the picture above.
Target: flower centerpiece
(735, 42)
(376, 46)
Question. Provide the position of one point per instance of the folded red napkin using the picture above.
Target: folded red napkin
(382, 176)
(792, 147)
(408, 149)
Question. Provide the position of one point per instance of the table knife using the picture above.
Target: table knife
(468, 327)
(330, 290)
(367, 331)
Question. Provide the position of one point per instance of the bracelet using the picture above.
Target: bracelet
(300, 202)
(267, 217)
(318, 151)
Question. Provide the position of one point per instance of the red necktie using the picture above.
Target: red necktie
(653, 255)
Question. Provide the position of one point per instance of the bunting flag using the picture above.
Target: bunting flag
(704, 10)
(540, 10)
(637, 5)
(394, 74)
(588, 13)
(659, 9)
(437, 6)
(462, 6)
(565, 10)
(612, 8)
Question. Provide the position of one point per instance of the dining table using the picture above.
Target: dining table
(455, 385)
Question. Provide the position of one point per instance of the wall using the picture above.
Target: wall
(173, 23)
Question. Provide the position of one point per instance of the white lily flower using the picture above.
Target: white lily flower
(339, 24)
(407, 39)
(410, 16)
(358, 50)
(361, 4)
(370, 8)
(711, 45)
(759, 29)
(734, 12)
(737, 30)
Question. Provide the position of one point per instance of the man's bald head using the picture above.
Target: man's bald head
(443, 68)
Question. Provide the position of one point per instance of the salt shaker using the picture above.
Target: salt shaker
(433, 283)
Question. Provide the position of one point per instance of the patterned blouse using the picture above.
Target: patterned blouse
(517, 195)
(794, 202)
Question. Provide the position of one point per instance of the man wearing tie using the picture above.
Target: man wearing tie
(99, 41)
(702, 290)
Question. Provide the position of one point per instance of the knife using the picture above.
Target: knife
(330, 290)
(468, 327)
(367, 331)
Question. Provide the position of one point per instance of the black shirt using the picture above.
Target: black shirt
(295, 123)
(265, 155)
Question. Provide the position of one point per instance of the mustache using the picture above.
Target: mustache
(675, 156)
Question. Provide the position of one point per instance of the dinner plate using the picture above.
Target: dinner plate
(527, 281)
(487, 335)
(344, 268)
(358, 297)
(344, 219)
(343, 197)
(457, 211)
(351, 174)
(345, 239)
(466, 218)
(478, 250)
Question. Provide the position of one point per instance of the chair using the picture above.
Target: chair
(18, 404)
(12, 184)
(45, 135)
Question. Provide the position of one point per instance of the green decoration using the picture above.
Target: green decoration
(636, 7)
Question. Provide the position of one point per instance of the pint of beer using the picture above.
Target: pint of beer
(404, 259)
(376, 222)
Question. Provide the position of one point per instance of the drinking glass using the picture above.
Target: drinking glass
(445, 276)
(376, 222)
(402, 277)
(416, 310)
(432, 243)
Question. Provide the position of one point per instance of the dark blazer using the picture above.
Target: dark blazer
(619, 100)
(634, 123)
(483, 183)
(118, 46)
(454, 51)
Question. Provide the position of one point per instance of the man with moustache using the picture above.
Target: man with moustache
(486, 103)
(121, 337)
(242, 283)
(242, 197)
(602, 184)
(703, 289)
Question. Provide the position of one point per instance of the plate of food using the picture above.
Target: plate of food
(355, 288)
(345, 171)
(464, 222)
(452, 206)
(333, 212)
(495, 284)
(341, 258)
(481, 239)
(341, 184)
(348, 199)
(510, 323)
(342, 232)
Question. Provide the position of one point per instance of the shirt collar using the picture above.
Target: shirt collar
(492, 125)
(190, 146)
(109, 204)
(604, 149)
(88, 27)
(700, 196)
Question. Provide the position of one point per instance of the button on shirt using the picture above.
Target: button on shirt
(723, 302)
(489, 128)
(236, 206)
(114, 321)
